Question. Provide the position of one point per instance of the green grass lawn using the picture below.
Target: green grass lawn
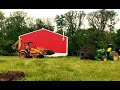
(62, 68)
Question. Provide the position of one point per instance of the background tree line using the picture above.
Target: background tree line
(100, 33)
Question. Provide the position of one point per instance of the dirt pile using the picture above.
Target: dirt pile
(48, 52)
(88, 51)
(12, 76)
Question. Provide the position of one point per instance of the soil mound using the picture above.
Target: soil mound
(12, 76)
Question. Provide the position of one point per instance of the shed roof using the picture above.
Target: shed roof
(43, 29)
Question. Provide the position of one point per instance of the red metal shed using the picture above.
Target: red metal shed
(46, 39)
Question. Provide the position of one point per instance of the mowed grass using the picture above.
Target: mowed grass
(62, 68)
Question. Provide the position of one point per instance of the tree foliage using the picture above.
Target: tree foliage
(102, 19)
(40, 24)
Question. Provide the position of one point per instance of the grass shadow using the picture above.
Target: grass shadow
(90, 60)
(2, 61)
(97, 60)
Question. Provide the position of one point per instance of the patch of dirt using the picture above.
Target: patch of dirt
(12, 76)
(48, 52)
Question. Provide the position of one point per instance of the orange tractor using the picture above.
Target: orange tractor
(30, 52)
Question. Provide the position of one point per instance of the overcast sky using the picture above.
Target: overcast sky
(51, 13)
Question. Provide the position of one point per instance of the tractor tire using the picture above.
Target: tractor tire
(104, 58)
(34, 56)
(22, 55)
(81, 58)
(115, 56)
(41, 56)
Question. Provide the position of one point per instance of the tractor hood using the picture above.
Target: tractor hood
(101, 50)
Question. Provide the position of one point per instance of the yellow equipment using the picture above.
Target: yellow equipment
(28, 51)
(109, 49)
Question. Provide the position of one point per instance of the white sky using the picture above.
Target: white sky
(51, 13)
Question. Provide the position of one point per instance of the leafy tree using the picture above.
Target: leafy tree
(102, 19)
(117, 39)
(40, 24)
(2, 19)
(60, 31)
(30, 22)
(2, 32)
(16, 23)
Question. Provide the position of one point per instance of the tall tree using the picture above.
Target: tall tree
(48, 24)
(2, 22)
(117, 39)
(16, 23)
(2, 32)
(30, 21)
(102, 19)
(41, 24)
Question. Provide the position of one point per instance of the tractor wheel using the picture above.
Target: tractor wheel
(104, 58)
(41, 56)
(22, 55)
(115, 56)
(82, 58)
(34, 56)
